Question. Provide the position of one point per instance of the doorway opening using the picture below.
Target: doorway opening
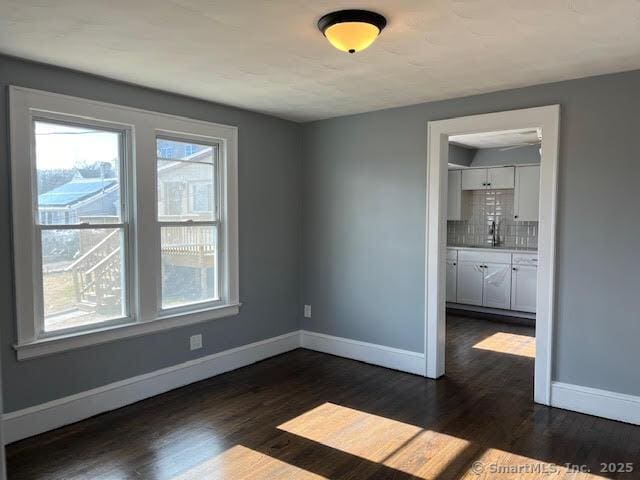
(491, 203)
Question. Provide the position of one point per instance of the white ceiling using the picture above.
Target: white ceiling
(505, 138)
(269, 56)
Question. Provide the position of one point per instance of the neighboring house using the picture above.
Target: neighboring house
(182, 189)
(81, 197)
(185, 191)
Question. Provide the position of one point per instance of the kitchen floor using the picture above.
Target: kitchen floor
(308, 415)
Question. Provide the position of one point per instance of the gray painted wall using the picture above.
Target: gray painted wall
(362, 187)
(488, 157)
(364, 181)
(461, 156)
(269, 169)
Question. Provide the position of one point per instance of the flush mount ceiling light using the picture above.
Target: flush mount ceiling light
(351, 30)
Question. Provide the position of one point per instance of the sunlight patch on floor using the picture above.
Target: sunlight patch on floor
(401, 446)
(495, 463)
(510, 343)
(242, 463)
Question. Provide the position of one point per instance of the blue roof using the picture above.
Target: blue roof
(74, 191)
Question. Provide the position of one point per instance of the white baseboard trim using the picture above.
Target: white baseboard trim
(592, 401)
(395, 358)
(63, 411)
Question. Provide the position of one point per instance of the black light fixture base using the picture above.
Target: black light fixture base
(342, 16)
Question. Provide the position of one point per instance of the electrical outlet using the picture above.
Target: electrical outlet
(307, 311)
(195, 342)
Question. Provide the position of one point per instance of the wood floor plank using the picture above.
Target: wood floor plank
(307, 415)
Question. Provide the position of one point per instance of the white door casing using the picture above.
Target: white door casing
(546, 118)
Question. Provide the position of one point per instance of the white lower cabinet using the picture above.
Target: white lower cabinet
(452, 281)
(496, 291)
(492, 279)
(523, 288)
(470, 283)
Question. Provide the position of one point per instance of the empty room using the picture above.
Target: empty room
(319, 240)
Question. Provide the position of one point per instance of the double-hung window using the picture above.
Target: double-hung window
(124, 221)
(82, 224)
(183, 173)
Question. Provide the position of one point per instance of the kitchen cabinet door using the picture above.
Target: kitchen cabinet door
(474, 179)
(454, 195)
(524, 280)
(470, 280)
(496, 292)
(452, 281)
(526, 194)
(503, 177)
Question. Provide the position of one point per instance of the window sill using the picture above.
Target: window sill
(48, 346)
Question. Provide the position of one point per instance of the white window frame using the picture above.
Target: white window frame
(143, 268)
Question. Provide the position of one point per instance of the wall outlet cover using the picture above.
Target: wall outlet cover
(195, 342)
(307, 311)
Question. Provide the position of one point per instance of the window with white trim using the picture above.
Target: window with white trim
(125, 221)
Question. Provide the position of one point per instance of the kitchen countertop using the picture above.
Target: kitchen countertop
(495, 249)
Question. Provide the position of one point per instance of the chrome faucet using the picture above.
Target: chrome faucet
(493, 231)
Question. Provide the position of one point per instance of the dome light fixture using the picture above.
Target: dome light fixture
(351, 30)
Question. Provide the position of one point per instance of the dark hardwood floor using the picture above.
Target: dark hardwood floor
(306, 415)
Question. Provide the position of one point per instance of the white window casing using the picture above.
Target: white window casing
(139, 221)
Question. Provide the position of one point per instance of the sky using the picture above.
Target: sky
(55, 151)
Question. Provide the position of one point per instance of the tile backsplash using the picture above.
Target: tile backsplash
(480, 208)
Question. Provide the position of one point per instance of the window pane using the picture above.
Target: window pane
(189, 265)
(82, 277)
(186, 187)
(78, 174)
(172, 150)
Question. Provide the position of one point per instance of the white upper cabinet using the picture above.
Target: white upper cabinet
(527, 194)
(454, 195)
(502, 177)
(483, 178)
(474, 179)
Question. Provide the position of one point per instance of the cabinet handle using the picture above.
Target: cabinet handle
(515, 216)
(514, 269)
(489, 184)
(454, 264)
